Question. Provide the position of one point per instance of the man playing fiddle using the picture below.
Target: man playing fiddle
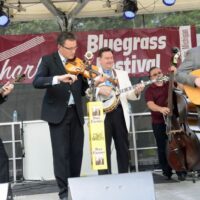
(62, 109)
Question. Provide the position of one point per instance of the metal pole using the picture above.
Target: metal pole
(134, 144)
(13, 151)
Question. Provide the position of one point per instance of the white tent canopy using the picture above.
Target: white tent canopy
(48, 9)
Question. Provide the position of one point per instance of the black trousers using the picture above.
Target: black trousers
(159, 131)
(115, 127)
(4, 164)
(67, 145)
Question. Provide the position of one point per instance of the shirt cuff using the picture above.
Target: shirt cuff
(55, 80)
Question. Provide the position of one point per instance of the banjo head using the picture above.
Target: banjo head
(110, 102)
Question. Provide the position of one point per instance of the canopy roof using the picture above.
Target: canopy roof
(48, 9)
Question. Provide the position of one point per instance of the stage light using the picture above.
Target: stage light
(130, 9)
(169, 2)
(4, 19)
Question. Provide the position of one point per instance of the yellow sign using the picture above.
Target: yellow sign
(97, 135)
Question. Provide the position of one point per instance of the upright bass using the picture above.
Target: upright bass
(183, 146)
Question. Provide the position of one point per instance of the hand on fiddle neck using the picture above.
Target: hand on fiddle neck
(100, 79)
(67, 78)
(197, 82)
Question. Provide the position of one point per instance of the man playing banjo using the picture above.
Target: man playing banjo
(117, 122)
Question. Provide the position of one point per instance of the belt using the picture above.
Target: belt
(71, 106)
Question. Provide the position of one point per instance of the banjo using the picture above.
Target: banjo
(112, 101)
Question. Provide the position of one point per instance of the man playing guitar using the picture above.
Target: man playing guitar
(4, 164)
(188, 74)
(190, 63)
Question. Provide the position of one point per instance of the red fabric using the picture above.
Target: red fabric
(135, 50)
(159, 95)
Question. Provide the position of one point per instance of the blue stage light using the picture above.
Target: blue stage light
(130, 9)
(129, 14)
(169, 2)
(4, 19)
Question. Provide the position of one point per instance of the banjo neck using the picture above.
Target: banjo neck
(111, 102)
(164, 78)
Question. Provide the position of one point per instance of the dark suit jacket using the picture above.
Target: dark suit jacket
(57, 96)
(2, 99)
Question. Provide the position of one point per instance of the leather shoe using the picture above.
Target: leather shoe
(64, 198)
(181, 177)
(168, 175)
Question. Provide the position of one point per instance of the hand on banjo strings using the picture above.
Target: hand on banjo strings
(105, 90)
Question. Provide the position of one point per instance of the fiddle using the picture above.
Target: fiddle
(78, 66)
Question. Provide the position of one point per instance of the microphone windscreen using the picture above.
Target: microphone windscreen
(175, 50)
(88, 55)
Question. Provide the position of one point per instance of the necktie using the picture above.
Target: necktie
(71, 98)
(64, 61)
(109, 73)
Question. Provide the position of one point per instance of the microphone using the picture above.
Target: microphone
(175, 50)
(177, 53)
(88, 56)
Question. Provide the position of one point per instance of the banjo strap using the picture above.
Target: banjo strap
(117, 89)
(115, 77)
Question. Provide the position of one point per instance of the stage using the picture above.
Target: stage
(164, 189)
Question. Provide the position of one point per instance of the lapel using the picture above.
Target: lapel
(60, 68)
(59, 63)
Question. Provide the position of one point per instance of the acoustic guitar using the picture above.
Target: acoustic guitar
(193, 93)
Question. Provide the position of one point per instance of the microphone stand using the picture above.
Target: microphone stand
(22, 145)
(91, 85)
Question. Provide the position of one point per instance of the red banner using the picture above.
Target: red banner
(135, 50)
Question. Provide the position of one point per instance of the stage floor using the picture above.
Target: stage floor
(164, 189)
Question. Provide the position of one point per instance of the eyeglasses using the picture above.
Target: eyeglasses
(156, 74)
(70, 48)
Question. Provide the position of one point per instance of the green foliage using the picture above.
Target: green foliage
(85, 24)
(141, 21)
(174, 19)
(105, 23)
(30, 27)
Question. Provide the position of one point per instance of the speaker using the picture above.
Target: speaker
(4, 191)
(126, 186)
